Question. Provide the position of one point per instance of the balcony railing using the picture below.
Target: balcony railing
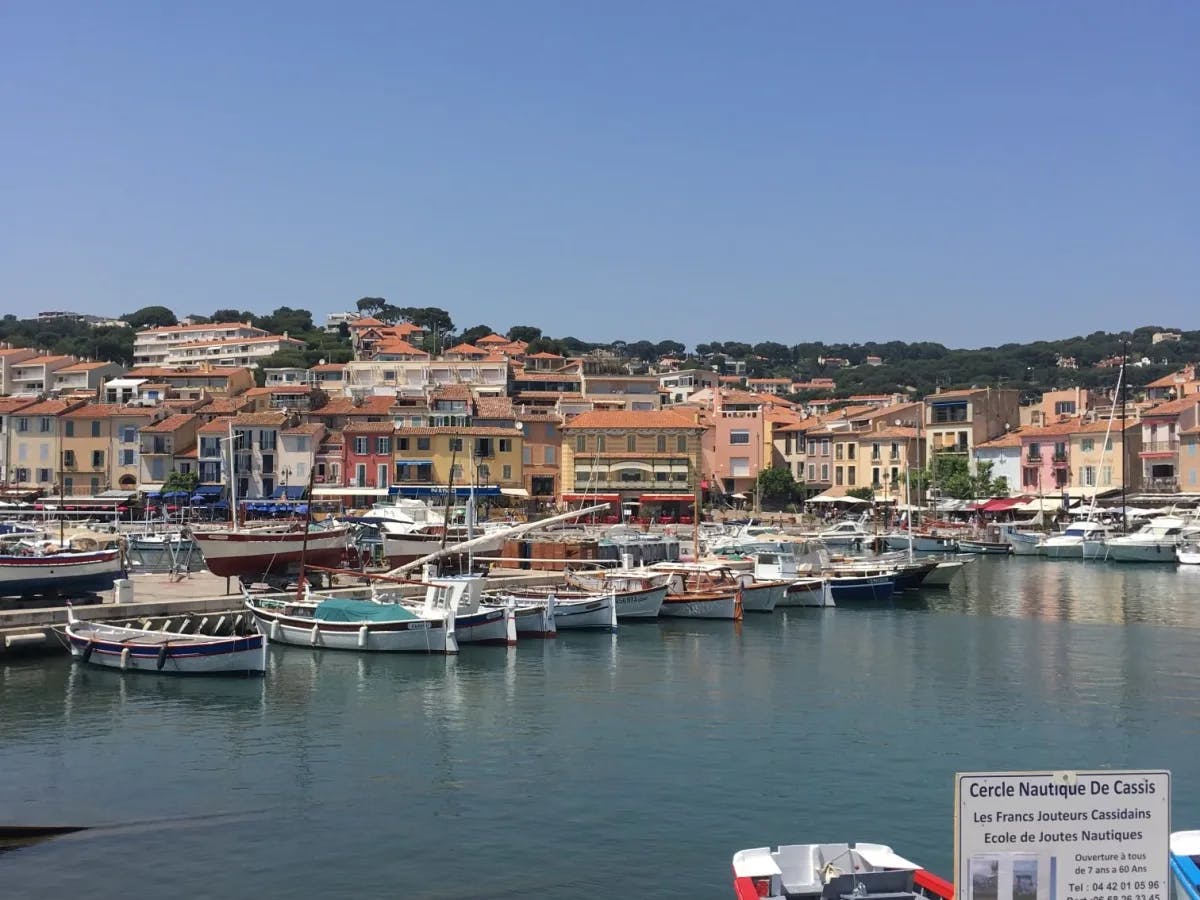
(1162, 485)
(951, 448)
(1033, 459)
(1168, 446)
(641, 485)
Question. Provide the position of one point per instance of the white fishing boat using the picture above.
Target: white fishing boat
(474, 622)
(163, 652)
(1156, 541)
(37, 568)
(756, 595)
(1025, 543)
(833, 872)
(945, 573)
(1189, 554)
(777, 562)
(691, 595)
(349, 624)
(572, 609)
(640, 593)
(843, 534)
(1080, 540)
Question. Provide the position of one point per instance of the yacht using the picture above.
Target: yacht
(1156, 541)
(1080, 540)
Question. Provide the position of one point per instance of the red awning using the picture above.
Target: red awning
(999, 504)
(668, 498)
(598, 498)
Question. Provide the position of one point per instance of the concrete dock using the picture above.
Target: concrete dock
(163, 596)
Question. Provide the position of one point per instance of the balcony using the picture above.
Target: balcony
(1160, 448)
(1059, 460)
(1162, 485)
(1033, 459)
(951, 448)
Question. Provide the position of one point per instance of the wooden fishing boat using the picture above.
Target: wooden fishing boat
(254, 552)
(697, 595)
(163, 652)
(362, 625)
(31, 570)
(832, 872)
(571, 609)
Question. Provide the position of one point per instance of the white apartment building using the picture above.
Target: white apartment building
(414, 377)
(221, 344)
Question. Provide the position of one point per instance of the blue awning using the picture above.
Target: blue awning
(210, 490)
(291, 492)
(414, 462)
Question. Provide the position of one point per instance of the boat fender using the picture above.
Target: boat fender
(87, 651)
(162, 656)
(315, 636)
(362, 637)
(125, 658)
(275, 630)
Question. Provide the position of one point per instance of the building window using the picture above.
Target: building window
(1106, 476)
(95, 428)
(1087, 476)
(874, 452)
(600, 443)
(68, 485)
(631, 443)
(95, 485)
(129, 434)
(44, 475)
(1087, 445)
(825, 447)
(825, 471)
(837, 475)
(812, 471)
(44, 426)
(268, 463)
(660, 443)
(362, 446)
(1064, 408)
(383, 445)
(360, 475)
(68, 457)
(97, 459)
(851, 473)
(22, 424)
(127, 458)
(549, 458)
(580, 443)
(68, 428)
(681, 444)
(739, 437)
(422, 443)
(402, 444)
(506, 445)
(381, 475)
(456, 472)
(266, 440)
(456, 445)
(507, 473)
(850, 448)
(527, 455)
(837, 451)
(875, 476)
(949, 412)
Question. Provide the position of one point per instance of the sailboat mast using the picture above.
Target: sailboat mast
(62, 488)
(449, 492)
(1124, 449)
(307, 522)
(232, 477)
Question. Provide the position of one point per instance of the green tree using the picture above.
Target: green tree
(474, 333)
(369, 306)
(776, 486)
(150, 317)
(526, 333)
(180, 481)
(861, 493)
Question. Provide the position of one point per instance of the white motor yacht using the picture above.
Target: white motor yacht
(1156, 541)
(1080, 540)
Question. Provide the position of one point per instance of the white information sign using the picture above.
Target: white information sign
(1062, 835)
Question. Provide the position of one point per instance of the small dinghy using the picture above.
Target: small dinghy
(832, 872)
(164, 652)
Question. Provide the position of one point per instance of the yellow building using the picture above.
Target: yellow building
(35, 444)
(648, 462)
(1095, 461)
(488, 457)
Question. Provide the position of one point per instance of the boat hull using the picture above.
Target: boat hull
(488, 626)
(401, 549)
(230, 656)
(995, 547)
(1142, 551)
(641, 604)
(812, 592)
(251, 555)
(862, 589)
(722, 607)
(1025, 543)
(415, 636)
(944, 574)
(595, 614)
(535, 622)
(762, 596)
(95, 571)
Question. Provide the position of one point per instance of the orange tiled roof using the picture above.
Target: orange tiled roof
(108, 411)
(466, 348)
(171, 423)
(630, 419)
(369, 428)
(276, 418)
(83, 367)
(12, 404)
(1173, 407)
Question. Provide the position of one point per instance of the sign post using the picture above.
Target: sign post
(1062, 835)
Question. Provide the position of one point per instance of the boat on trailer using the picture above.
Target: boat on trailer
(163, 652)
(831, 872)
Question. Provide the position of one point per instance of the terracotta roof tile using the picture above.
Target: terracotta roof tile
(494, 338)
(631, 419)
(83, 367)
(369, 428)
(261, 419)
(48, 408)
(12, 404)
(1173, 407)
(108, 411)
(171, 423)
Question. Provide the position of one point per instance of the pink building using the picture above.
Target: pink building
(1046, 457)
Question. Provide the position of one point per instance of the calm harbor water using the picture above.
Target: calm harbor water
(598, 765)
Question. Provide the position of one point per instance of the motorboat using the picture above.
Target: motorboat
(1025, 543)
(1189, 554)
(1080, 540)
(779, 562)
(1156, 541)
(163, 652)
(832, 872)
(843, 534)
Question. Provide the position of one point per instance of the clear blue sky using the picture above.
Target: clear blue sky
(963, 172)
